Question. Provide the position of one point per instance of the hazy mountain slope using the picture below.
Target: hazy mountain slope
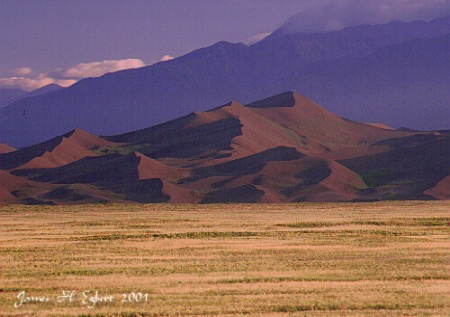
(43, 90)
(9, 95)
(399, 85)
(394, 31)
(299, 49)
(138, 98)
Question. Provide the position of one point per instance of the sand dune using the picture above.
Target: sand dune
(280, 149)
(292, 120)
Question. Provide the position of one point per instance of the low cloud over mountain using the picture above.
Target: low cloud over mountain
(97, 69)
(338, 14)
(25, 78)
(30, 81)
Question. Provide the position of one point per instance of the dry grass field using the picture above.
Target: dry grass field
(330, 259)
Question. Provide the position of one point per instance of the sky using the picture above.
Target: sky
(63, 41)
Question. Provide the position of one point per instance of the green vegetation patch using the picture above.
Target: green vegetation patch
(311, 224)
(398, 222)
(183, 235)
(123, 150)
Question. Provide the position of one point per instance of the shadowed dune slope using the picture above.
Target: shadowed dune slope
(183, 138)
(103, 170)
(21, 156)
(312, 179)
(249, 164)
(133, 177)
(407, 170)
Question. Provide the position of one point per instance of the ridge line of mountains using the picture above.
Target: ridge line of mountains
(397, 73)
(284, 148)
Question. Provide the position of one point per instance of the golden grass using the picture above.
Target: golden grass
(330, 259)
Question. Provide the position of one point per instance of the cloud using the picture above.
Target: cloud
(29, 84)
(256, 38)
(166, 58)
(337, 14)
(26, 79)
(96, 69)
(23, 71)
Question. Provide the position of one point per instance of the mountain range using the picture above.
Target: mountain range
(397, 73)
(284, 148)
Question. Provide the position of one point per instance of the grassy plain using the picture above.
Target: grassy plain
(328, 259)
